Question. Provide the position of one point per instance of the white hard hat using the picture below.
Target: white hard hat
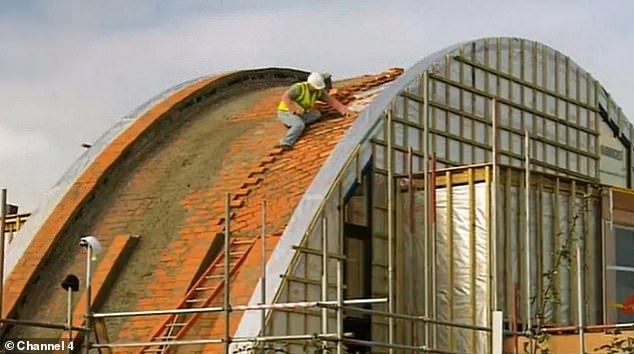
(316, 80)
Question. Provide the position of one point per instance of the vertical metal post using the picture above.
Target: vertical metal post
(580, 296)
(339, 307)
(412, 293)
(263, 288)
(88, 296)
(390, 236)
(3, 216)
(432, 244)
(226, 305)
(69, 317)
(324, 276)
(263, 283)
(494, 206)
(527, 236)
(603, 269)
(426, 242)
(410, 187)
(515, 310)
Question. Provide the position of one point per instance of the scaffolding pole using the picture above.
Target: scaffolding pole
(3, 216)
(89, 250)
(339, 307)
(290, 337)
(278, 306)
(390, 221)
(426, 253)
(324, 276)
(227, 306)
(580, 295)
(37, 324)
(412, 296)
(339, 337)
(263, 283)
(527, 236)
(432, 246)
(494, 206)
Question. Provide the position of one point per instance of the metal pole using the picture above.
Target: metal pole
(69, 317)
(426, 253)
(263, 289)
(410, 188)
(390, 236)
(88, 295)
(284, 305)
(324, 275)
(494, 197)
(291, 337)
(527, 236)
(580, 295)
(432, 246)
(227, 306)
(3, 216)
(339, 307)
(412, 293)
(60, 326)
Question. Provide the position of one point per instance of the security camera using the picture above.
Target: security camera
(93, 243)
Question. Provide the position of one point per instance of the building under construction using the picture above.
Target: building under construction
(479, 202)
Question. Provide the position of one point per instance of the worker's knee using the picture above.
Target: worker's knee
(298, 124)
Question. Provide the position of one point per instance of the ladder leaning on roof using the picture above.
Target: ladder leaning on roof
(200, 295)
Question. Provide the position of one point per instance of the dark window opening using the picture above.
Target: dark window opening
(358, 264)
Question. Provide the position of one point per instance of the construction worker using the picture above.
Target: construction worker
(296, 110)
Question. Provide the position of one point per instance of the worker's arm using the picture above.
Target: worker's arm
(334, 103)
(292, 106)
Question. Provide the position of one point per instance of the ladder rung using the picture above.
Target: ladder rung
(215, 276)
(205, 288)
(223, 264)
(194, 300)
(175, 325)
(238, 253)
(245, 242)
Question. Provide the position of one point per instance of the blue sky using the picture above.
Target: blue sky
(70, 69)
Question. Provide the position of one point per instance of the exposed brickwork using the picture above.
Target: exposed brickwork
(279, 177)
(206, 209)
(41, 244)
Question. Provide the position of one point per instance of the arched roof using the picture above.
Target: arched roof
(337, 171)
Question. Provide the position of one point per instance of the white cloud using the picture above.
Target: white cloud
(71, 70)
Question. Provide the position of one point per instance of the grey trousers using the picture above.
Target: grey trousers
(296, 124)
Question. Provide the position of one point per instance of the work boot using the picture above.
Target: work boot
(284, 146)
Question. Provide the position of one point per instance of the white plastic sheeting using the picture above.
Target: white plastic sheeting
(462, 267)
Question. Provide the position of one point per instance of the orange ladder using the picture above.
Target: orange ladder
(200, 295)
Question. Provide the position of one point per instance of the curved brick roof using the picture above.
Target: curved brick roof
(154, 196)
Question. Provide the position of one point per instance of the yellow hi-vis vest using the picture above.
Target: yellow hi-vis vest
(306, 99)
